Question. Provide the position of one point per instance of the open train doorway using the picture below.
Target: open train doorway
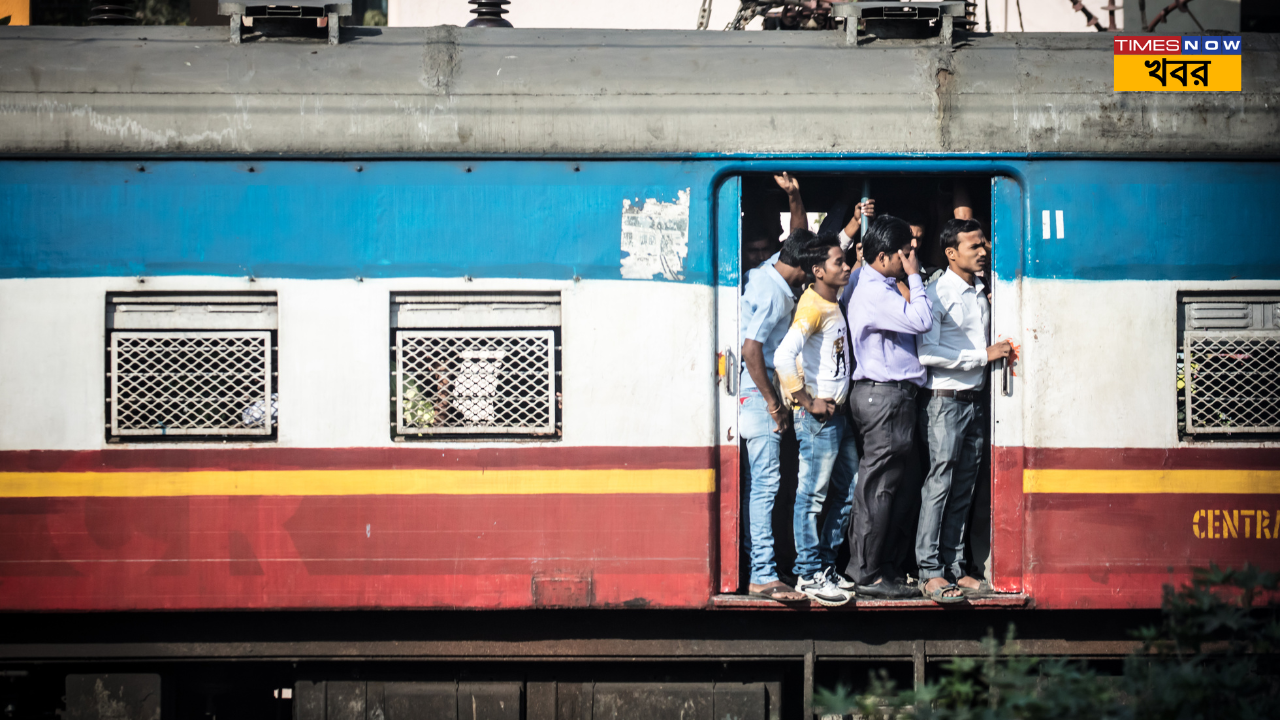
(842, 206)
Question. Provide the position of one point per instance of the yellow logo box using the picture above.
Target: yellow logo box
(1177, 73)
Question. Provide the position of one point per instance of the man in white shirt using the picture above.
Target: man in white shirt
(956, 352)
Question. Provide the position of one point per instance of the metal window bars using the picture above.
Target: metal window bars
(191, 383)
(1232, 382)
(475, 382)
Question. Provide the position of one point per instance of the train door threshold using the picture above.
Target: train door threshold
(999, 600)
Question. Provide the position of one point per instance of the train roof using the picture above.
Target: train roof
(479, 91)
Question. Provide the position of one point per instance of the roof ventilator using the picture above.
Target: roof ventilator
(300, 18)
(902, 19)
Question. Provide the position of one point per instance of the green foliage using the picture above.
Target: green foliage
(162, 12)
(1213, 656)
(76, 12)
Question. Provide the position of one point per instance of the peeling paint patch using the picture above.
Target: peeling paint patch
(655, 238)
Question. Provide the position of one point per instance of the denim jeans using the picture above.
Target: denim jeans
(755, 426)
(828, 466)
(953, 431)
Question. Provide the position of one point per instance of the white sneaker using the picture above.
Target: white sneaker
(823, 589)
(841, 581)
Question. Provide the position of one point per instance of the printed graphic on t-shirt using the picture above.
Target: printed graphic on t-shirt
(814, 355)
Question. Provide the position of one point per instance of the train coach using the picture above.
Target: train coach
(445, 319)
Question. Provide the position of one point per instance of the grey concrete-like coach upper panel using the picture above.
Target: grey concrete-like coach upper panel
(605, 92)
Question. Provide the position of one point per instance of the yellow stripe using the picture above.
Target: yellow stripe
(356, 482)
(1231, 482)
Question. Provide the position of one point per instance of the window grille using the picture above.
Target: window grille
(476, 365)
(1230, 368)
(176, 369)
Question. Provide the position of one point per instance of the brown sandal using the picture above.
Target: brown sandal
(776, 588)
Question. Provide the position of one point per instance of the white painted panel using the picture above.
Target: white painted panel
(52, 364)
(638, 359)
(1006, 324)
(639, 364)
(728, 304)
(1099, 361)
(335, 362)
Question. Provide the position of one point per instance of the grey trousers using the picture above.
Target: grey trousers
(885, 415)
(953, 432)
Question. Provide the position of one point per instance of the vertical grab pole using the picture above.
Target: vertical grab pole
(866, 195)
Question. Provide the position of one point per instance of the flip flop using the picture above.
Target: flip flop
(771, 592)
(938, 597)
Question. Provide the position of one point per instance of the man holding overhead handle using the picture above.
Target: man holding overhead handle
(884, 326)
(957, 351)
(767, 306)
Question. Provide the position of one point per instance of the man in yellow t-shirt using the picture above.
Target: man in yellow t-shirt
(813, 363)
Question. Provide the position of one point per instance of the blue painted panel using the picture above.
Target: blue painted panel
(1007, 229)
(1154, 220)
(310, 219)
(729, 231)
(541, 219)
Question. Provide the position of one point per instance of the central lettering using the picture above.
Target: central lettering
(1213, 524)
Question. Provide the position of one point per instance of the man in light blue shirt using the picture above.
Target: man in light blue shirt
(767, 305)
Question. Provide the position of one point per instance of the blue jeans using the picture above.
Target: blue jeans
(756, 427)
(828, 465)
(954, 432)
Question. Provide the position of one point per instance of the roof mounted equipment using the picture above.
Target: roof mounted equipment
(488, 13)
(294, 10)
(901, 19)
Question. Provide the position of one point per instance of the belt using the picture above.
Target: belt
(961, 395)
(834, 411)
(902, 384)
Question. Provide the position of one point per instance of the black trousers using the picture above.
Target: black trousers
(886, 417)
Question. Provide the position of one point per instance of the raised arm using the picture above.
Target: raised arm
(961, 205)
(852, 230)
(890, 312)
(799, 220)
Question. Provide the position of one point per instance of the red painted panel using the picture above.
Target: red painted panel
(730, 518)
(361, 551)
(1153, 458)
(1007, 518)
(1116, 550)
(406, 458)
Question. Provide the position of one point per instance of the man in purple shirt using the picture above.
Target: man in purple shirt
(883, 327)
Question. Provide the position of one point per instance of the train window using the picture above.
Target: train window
(1229, 364)
(191, 366)
(475, 365)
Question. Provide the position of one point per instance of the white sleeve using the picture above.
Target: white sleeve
(846, 242)
(933, 353)
(785, 362)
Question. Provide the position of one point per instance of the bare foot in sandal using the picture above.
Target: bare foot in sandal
(973, 587)
(776, 590)
(940, 591)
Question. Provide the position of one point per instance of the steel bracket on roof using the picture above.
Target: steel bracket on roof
(944, 11)
(292, 8)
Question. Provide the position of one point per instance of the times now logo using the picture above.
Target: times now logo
(1177, 45)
